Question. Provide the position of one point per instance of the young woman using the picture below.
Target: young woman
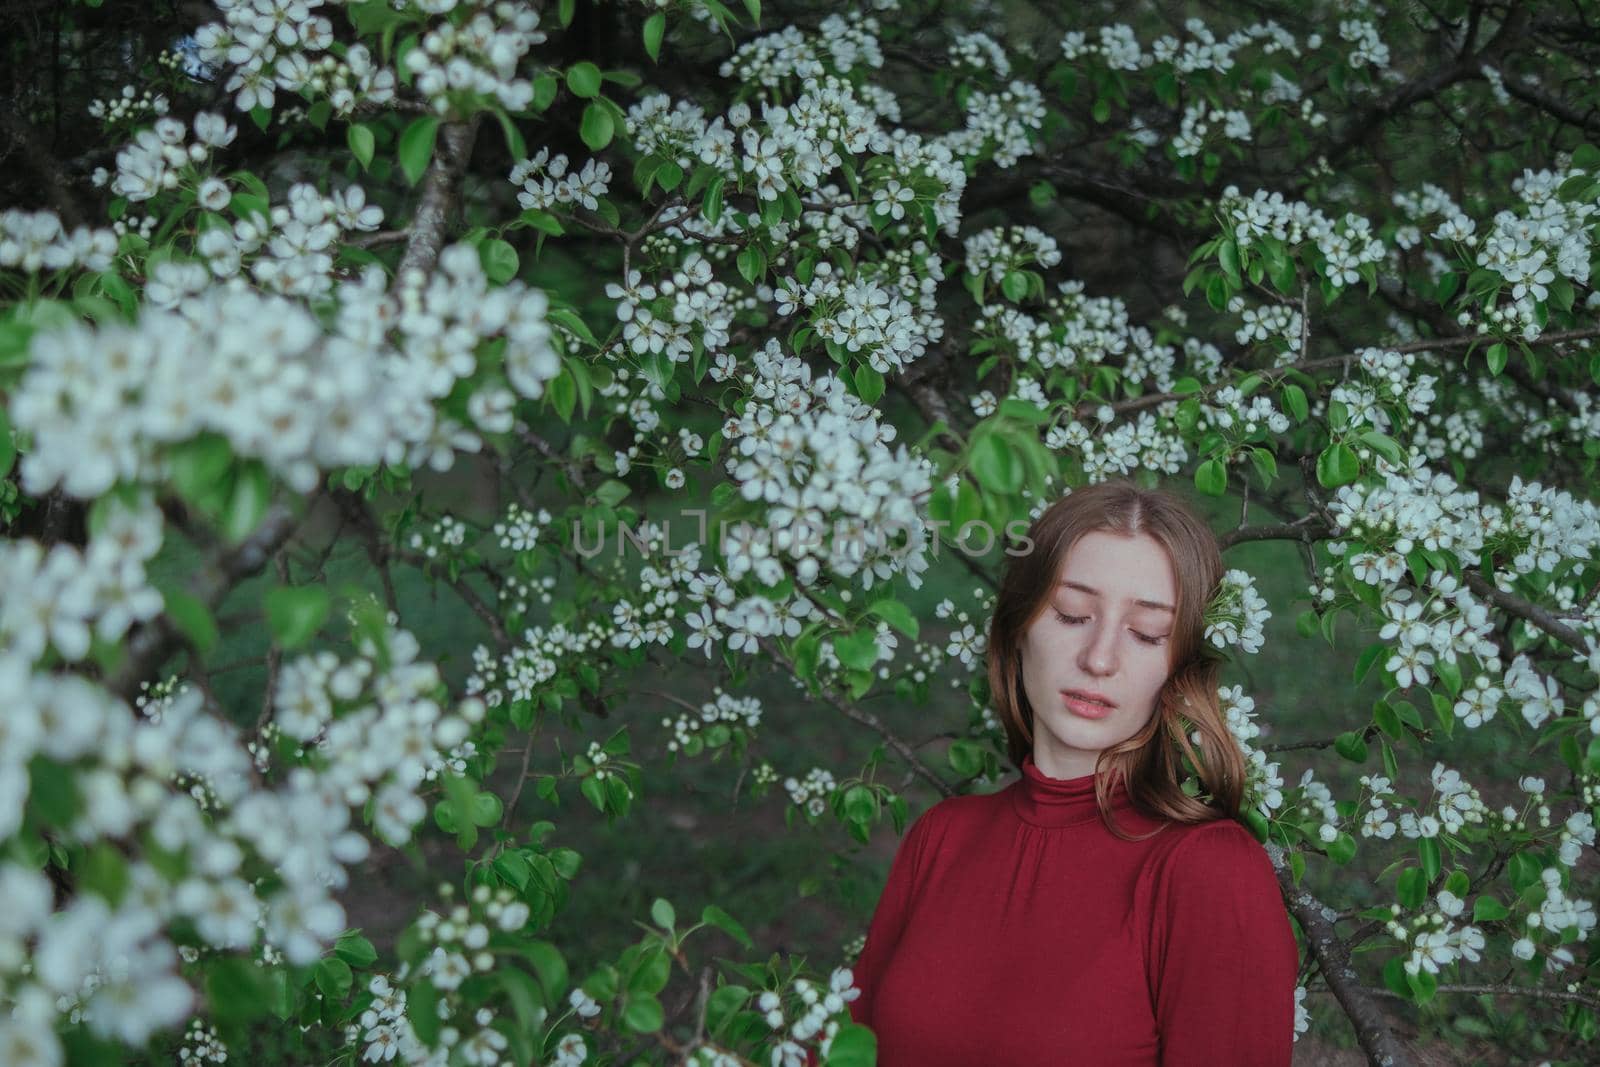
(1091, 913)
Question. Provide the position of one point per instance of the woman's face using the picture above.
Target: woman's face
(1095, 659)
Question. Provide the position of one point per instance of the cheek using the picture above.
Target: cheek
(1153, 670)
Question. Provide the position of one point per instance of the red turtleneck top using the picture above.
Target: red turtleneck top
(1015, 930)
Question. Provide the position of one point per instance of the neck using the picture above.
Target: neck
(1045, 800)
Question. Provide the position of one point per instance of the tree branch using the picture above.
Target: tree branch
(1526, 610)
(441, 188)
(1333, 958)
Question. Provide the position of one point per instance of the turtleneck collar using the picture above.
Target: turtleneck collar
(1045, 801)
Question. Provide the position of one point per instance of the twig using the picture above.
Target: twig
(150, 645)
(872, 722)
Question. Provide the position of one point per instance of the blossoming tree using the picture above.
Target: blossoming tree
(853, 282)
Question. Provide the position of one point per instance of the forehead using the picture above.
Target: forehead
(1119, 569)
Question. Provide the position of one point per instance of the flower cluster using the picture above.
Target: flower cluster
(281, 44)
(1000, 124)
(546, 182)
(861, 314)
(161, 158)
(104, 403)
(821, 459)
(1236, 613)
(459, 63)
(1200, 119)
(718, 721)
(129, 105)
(1144, 442)
(1435, 940)
(998, 250)
(841, 42)
(810, 794)
(1273, 322)
(814, 1015)
(1346, 246)
(34, 241)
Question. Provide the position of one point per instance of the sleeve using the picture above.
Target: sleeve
(1223, 955)
(889, 918)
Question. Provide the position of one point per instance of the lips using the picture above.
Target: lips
(1086, 704)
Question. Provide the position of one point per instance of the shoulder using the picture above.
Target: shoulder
(1213, 861)
(954, 817)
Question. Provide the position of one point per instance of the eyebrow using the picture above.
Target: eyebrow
(1158, 605)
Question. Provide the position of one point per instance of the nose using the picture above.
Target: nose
(1097, 655)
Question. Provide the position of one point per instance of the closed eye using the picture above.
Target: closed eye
(1074, 620)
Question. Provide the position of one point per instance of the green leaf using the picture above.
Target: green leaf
(966, 757)
(994, 464)
(1488, 909)
(247, 503)
(1014, 285)
(752, 263)
(236, 989)
(711, 208)
(543, 221)
(1423, 984)
(723, 1003)
(859, 650)
(869, 384)
(295, 614)
(198, 466)
(550, 966)
(654, 28)
(1211, 477)
(643, 1014)
(1228, 257)
(584, 80)
(1265, 463)
(1294, 402)
(193, 619)
(8, 451)
(1428, 850)
(897, 615)
(1497, 357)
(1352, 746)
(362, 143)
(499, 260)
(422, 1010)
(651, 977)
(1342, 849)
(416, 147)
(669, 175)
(1388, 720)
(486, 809)
(1412, 888)
(1384, 445)
(715, 916)
(514, 141)
(597, 126)
(611, 492)
(333, 977)
(1369, 656)
(853, 1046)
(1337, 465)
(662, 914)
(563, 393)
(355, 949)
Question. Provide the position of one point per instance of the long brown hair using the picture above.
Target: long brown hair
(1150, 761)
